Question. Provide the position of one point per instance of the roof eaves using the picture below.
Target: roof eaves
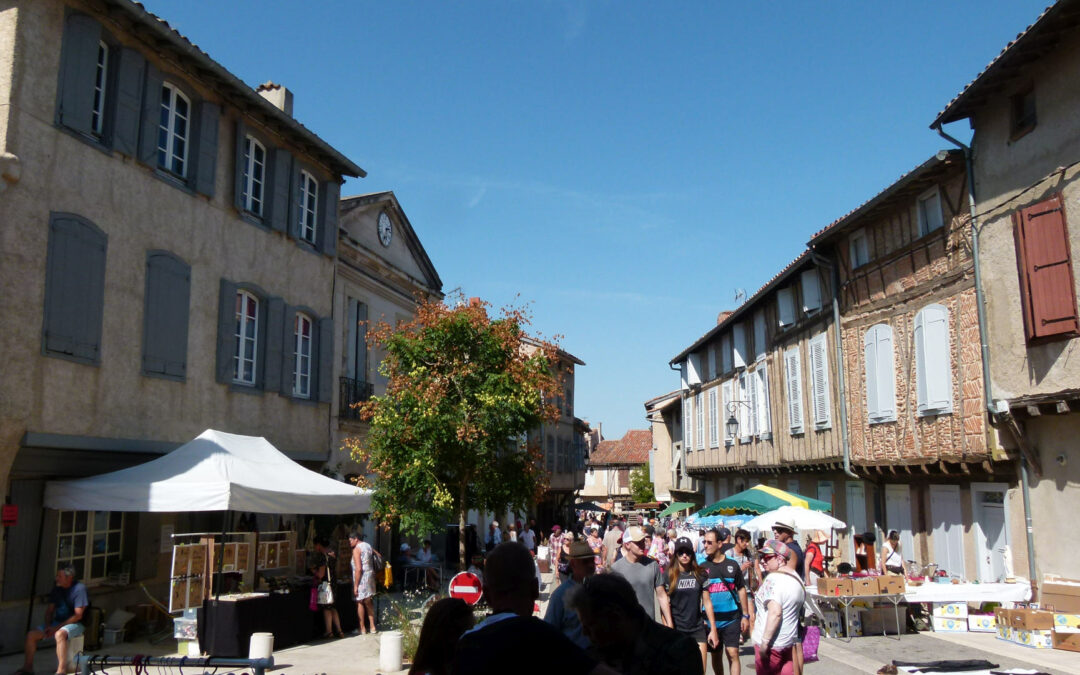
(161, 29)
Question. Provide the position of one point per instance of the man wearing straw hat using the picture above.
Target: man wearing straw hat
(784, 531)
(582, 566)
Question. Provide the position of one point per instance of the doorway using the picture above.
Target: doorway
(948, 530)
(990, 513)
(855, 493)
(898, 517)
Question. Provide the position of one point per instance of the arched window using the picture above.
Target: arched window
(302, 340)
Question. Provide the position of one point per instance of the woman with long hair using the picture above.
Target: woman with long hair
(562, 558)
(446, 621)
(687, 593)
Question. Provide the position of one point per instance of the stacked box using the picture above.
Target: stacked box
(951, 610)
(1067, 623)
(832, 626)
(1032, 628)
(1067, 641)
(891, 585)
(881, 621)
(981, 623)
(865, 586)
(1003, 623)
(855, 626)
(1039, 639)
(946, 625)
(834, 586)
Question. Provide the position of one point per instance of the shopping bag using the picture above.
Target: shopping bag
(388, 577)
(810, 643)
(326, 594)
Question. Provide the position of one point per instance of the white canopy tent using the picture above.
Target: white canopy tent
(214, 472)
(802, 519)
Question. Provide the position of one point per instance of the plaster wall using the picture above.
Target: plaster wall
(1055, 497)
(662, 457)
(1011, 174)
(9, 14)
(138, 210)
(361, 226)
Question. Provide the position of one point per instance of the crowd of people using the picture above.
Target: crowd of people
(630, 598)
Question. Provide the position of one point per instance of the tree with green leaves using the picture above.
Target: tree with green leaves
(641, 488)
(448, 436)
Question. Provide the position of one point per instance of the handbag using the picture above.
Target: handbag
(313, 602)
(810, 643)
(325, 594)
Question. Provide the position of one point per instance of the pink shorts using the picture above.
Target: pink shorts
(774, 661)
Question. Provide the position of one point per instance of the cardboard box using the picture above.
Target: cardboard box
(982, 623)
(890, 584)
(1004, 632)
(834, 586)
(1060, 593)
(864, 586)
(1067, 623)
(855, 628)
(1031, 619)
(832, 626)
(881, 621)
(945, 625)
(1067, 641)
(951, 610)
(1037, 639)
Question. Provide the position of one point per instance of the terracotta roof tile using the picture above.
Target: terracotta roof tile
(632, 448)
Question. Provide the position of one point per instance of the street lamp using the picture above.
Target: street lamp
(732, 424)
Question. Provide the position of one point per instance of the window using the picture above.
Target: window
(725, 352)
(930, 216)
(165, 315)
(699, 431)
(747, 413)
(859, 248)
(74, 288)
(760, 346)
(173, 130)
(309, 195)
(1044, 259)
(714, 427)
(880, 374)
(688, 436)
(254, 175)
(247, 333)
(101, 72)
(793, 374)
(761, 396)
(785, 305)
(1022, 108)
(726, 390)
(90, 541)
(738, 339)
(811, 291)
(357, 347)
(819, 382)
(933, 367)
(301, 376)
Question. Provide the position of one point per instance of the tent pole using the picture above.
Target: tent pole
(221, 558)
(34, 576)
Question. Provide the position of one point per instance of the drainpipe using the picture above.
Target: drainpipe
(834, 276)
(996, 418)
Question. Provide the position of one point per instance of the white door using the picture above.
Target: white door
(898, 517)
(991, 535)
(856, 513)
(948, 528)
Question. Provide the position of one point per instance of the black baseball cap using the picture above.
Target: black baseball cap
(723, 533)
(684, 543)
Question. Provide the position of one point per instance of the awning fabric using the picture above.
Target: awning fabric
(675, 507)
(214, 472)
(760, 499)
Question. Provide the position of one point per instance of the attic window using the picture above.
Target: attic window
(1023, 113)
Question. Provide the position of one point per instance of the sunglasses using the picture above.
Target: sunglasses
(684, 552)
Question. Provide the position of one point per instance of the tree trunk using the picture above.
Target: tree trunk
(463, 564)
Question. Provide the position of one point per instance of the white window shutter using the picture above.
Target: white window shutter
(759, 335)
(886, 374)
(693, 369)
(738, 336)
(764, 421)
(932, 363)
(819, 373)
(794, 389)
(785, 303)
(725, 352)
(725, 390)
(683, 382)
(811, 291)
(699, 430)
(687, 434)
(746, 412)
(870, 359)
(714, 435)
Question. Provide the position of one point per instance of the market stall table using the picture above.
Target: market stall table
(814, 600)
(227, 623)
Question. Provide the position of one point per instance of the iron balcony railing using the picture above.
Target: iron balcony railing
(353, 392)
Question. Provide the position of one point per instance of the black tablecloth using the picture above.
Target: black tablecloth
(226, 626)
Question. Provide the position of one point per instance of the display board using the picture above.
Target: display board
(274, 555)
(187, 584)
(236, 555)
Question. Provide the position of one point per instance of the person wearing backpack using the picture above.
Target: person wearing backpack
(363, 574)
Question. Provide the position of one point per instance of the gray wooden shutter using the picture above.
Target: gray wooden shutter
(207, 119)
(329, 194)
(165, 317)
(326, 359)
(279, 182)
(78, 70)
(264, 331)
(275, 343)
(22, 538)
(74, 287)
(127, 103)
(292, 226)
(150, 121)
(226, 332)
(238, 167)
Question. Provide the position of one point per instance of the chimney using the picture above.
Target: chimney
(278, 95)
(723, 316)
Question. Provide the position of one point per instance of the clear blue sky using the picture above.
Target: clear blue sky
(623, 166)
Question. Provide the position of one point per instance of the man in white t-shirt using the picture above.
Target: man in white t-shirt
(528, 537)
(779, 604)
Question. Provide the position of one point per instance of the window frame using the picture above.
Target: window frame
(101, 90)
(762, 398)
(89, 532)
(810, 287)
(308, 217)
(241, 338)
(924, 226)
(298, 375)
(171, 133)
(1022, 121)
(785, 307)
(859, 248)
(688, 420)
(819, 378)
(247, 196)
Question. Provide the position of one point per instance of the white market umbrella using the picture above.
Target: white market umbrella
(803, 519)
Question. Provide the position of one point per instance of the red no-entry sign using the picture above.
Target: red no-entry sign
(466, 585)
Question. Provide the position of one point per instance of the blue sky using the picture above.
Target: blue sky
(625, 167)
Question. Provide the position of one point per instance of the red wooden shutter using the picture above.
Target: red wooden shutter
(1047, 288)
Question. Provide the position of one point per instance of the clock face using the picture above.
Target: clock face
(386, 229)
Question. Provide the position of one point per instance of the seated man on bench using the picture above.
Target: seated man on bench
(63, 620)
